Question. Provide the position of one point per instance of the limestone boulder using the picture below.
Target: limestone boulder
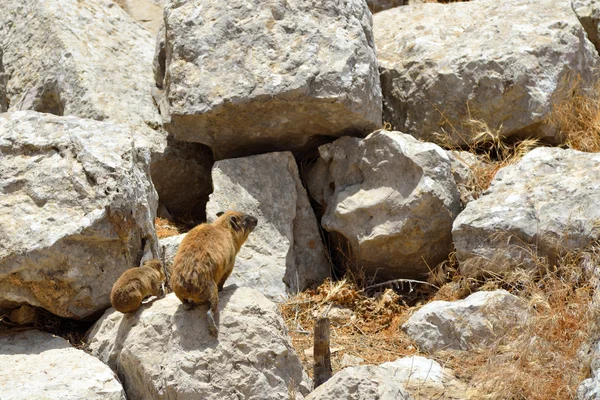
(3, 103)
(589, 389)
(475, 322)
(38, 365)
(164, 351)
(391, 197)
(77, 208)
(464, 165)
(87, 59)
(404, 379)
(310, 71)
(285, 252)
(148, 13)
(588, 12)
(502, 63)
(540, 207)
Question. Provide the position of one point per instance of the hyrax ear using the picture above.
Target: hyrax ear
(235, 222)
(220, 213)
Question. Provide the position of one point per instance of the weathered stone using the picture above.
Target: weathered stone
(348, 360)
(38, 365)
(588, 12)
(463, 165)
(170, 245)
(477, 321)
(285, 252)
(502, 63)
(391, 197)
(149, 13)
(311, 72)
(406, 378)
(77, 208)
(539, 207)
(589, 389)
(381, 5)
(23, 315)
(86, 59)
(181, 175)
(164, 351)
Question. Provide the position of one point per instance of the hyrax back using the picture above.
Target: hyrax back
(205, 259)
(136, 284)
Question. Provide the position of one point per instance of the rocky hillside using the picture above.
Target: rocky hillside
(423, 174)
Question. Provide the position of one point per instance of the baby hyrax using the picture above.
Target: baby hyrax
(205, 259)
(136, 284)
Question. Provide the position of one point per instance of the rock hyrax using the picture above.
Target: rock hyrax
(136, 284)
(205, 259)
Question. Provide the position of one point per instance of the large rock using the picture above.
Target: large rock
(164, 351)
(87, 59)
(589, 389)
(404, 379)
(475, 322)
(588, 12)
(540, 207)
(285, 252)
(38, 365)
(148, 13)
(310, 71)
(77, 208)
(499, 62)
(391, 197)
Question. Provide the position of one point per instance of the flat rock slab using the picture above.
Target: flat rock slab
(311, 72)
(82, 58)
(165, 351)
(540, 207)
(392, 197)
(475, 322)
(285, 253)
(77, 208)
(500, 62)
(37, 365)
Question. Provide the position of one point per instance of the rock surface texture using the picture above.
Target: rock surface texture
(407, 378)
(164, 351)
(588, 12)
(86, 59)
(3, 79)
(285, 252)
(149, 13)
(499, 62)
(38, 365)
(380, 5)
(542, 206)
(77, 208)
(391, 197)
(311, 72)
(477, 321)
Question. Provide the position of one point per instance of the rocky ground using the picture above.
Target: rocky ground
(424, 175)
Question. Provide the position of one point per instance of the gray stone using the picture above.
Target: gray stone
(164, 351)
(406, 378)
(37, 365)
(475, 322)
(310, 71)
(86, 59)
(77, 208)
(588, 12)
(464, 166)
(285, 252)
(3, 81)
(502, 63)
(391, 197)
(540, 207)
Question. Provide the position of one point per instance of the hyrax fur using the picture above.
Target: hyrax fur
(205, 259)
(136, 284)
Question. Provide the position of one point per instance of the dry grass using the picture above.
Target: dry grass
(166, 228)
(577, 115)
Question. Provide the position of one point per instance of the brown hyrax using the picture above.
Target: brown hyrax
(136, 284)
(205, 259)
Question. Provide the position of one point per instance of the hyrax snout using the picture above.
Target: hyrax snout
(205, 259)
(136, 284)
